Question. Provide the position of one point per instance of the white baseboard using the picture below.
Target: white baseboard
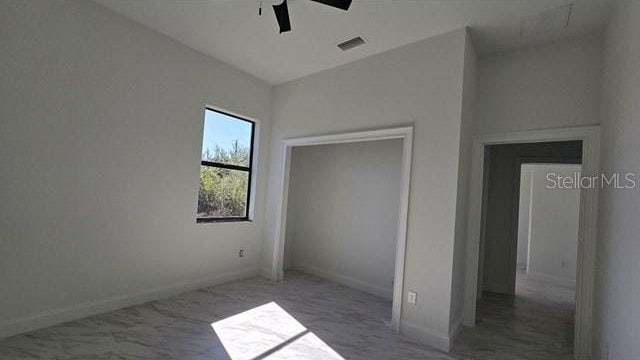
(347, 280)
(435, 339)
(48, 318)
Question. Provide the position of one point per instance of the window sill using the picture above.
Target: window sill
(221, 220)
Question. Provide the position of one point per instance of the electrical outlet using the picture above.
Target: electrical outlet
(241, 253)
(412, 297)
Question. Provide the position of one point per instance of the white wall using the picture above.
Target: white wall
(524, 208)
(617, 305)
(99, 153)
(549, 86)
(344, 199)
(553, 223)
(419, 84)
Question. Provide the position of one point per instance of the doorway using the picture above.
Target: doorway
(342, 214)
(547, 235)
(403, 133)
(499, 237)
(520, 298)
(589, 139)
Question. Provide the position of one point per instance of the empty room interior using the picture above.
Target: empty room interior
(319, 179)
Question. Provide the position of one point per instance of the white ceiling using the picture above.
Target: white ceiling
(232, 31)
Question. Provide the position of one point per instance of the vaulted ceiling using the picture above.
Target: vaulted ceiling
(232, 31)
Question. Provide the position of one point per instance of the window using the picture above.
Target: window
(225, 168)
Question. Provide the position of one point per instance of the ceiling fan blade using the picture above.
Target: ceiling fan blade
(340, 4)
(282, 15)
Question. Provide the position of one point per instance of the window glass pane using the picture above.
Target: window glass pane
(223, 192)
(226, 139)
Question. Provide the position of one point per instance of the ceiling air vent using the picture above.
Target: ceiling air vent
(351, 43)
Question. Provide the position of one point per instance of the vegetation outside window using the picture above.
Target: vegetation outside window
(225, 168)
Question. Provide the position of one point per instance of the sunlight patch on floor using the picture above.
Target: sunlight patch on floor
(269, 332)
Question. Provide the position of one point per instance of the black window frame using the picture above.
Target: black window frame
(248, 169)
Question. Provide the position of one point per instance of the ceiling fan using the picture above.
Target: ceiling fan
(282, 11)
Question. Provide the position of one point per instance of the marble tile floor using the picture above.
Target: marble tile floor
(536, 324)
(303, 317)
